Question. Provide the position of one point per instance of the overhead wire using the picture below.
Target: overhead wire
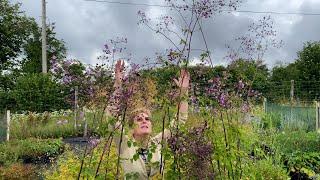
(225, 10)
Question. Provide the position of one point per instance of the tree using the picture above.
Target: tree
(32, 62)
(280, 81)
(38, 92)
(20, 36)
(14, 30)
(305, 73)
(284, 73)
(308, 62)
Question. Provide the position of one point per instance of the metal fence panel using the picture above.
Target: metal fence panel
(3, 128)
(294, 117)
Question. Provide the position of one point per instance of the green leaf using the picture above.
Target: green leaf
(149, 157)
(182, 41)
(129, 143)
(135, 157)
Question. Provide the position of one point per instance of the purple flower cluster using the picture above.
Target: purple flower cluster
(255, 43)
(72, 73)
(122, 98)
(196, 149)
(218, 92)
(143, 18)
(204, 8)
(114, 48)
(93, 142)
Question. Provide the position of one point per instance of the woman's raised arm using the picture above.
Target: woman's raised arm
(113, 103)
(183, 84)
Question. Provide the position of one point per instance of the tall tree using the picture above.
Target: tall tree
(32, 62)
(308, 64)
(14, 30)
(20, 36)
(308, 61)
(305, 72)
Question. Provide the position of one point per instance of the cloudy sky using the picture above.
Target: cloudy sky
(86, 26)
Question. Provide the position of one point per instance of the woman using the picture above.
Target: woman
(143, 160)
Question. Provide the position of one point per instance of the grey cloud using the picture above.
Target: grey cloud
(85, 27)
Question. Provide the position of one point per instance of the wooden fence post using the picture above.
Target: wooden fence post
(85, 133)
(292, 91)
(317, 116)
(291, 98)
(265, 105)
(75, 106)
(8, 118)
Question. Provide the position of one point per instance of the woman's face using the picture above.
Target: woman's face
(142, 124)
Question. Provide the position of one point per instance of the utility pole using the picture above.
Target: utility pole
(44, 38)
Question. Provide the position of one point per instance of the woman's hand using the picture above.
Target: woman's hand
(119, 68)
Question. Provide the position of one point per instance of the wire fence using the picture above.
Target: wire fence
(294, 104)
(294, 117)
(3, 126)
(300, 92)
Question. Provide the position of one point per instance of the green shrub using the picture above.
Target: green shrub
(300, 153)
(307, 163)
(44, 125)
(38, 92)
(266, 169)
(18, 171)
(271, 120)
(69, 163)
(290, 142)
(29, 150)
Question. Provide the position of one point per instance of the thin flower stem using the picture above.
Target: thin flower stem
(205, 43)
(109, 150)
(229, 149)
(82, 161)
(120, 143)
(162, 140)
(225, 139)
(103, 152)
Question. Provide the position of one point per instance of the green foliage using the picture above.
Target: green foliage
(283, 73)
(14, 29)
(29, 150)
(253, 72)
(304, 71)
(266, 169)
(309, 61)
(18, 171)
(200, 75)
(68, 165)
(271, 120)
(38, 92)
(32, 63)
(303, 163)
(300, 153)
(20, 49)
(290, 142)
(44, 125)
(163, 77)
